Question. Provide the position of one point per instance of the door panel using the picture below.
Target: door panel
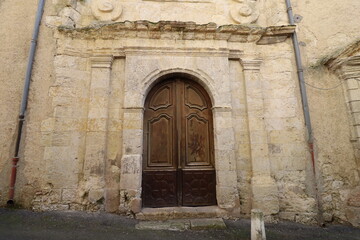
(197, 141)
(160, 188)
(160, 128)
(194, 99)
(160, 141)
(197, 123)
(163, 98)
(178, 164)
(199, 188)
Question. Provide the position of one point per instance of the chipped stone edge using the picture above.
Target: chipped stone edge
(341, 56)
(181, 31)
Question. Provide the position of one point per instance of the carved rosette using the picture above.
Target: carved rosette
(245, 11)
(106, 10)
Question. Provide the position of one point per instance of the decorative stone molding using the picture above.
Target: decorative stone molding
(101, 61)
(137, 84)
(351, 67)
(335, 61)
(106, 10)
(181, 31)
(68, 16)
(347, 65)
(253, 64)
(245, 11)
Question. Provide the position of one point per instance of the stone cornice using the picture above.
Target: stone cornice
(251, 64)
(344, 56)
(351, 67)
(180, 31)
(101, 61)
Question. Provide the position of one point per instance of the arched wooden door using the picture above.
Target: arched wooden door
(178, 167)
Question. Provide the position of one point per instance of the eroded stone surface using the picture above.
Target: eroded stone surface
(83, 137)
(183, 224)
(203, 224)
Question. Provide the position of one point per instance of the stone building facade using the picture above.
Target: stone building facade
(97, 61)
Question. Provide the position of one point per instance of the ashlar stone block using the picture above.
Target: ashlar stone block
(133, 120)
(286, 136)
(352, 84)
(265, 194)
(62, 91)
(132, 141)
(355, 106)
(224, 139)
(97, 124)
(227, 197)
(96, 195)
(354, 94)
(226, 178)
(225, 160)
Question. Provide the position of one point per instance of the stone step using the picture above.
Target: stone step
(168, 213)
(183, 224)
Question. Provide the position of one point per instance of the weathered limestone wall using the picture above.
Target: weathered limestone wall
(272, 129)
(16, 26)
(326, 29)
(338, 172)
(288, 150)
(87, 12)
(82, 138)
(11, 81)
(324, 32)
(83, 135)
(63, 130)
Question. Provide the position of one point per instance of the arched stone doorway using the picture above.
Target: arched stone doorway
(178, 156)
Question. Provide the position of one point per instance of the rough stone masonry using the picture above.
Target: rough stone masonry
(96, 61)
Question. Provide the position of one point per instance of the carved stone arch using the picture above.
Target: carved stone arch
(201, 78)
(136, 90)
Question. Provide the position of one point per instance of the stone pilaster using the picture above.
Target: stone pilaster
(264, 189)
(97, 125)
(131, 162)
(225, 161)
(350, 72)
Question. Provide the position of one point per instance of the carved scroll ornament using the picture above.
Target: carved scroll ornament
(106, 10)
(245, 11)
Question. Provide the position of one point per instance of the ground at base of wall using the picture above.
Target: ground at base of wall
(24, 224)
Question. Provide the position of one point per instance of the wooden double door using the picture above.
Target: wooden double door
(178, 167)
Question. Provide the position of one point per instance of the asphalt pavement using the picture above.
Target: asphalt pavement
(19, 224)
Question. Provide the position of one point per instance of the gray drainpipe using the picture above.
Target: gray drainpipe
(305, 104)
(300, 72)
(24, 100)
